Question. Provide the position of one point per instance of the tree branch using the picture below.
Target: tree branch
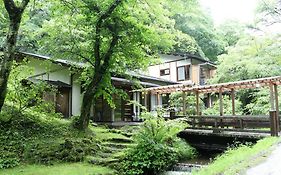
(10, 6)
(24, 4)
(100, 20)
(14, 11)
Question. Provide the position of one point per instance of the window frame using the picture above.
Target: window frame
(162, 72)
(187, 73)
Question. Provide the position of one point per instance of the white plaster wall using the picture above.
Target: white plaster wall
(155, 70)
(57, 72)
(183, 62)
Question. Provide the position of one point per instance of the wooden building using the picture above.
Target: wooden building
(64, 75)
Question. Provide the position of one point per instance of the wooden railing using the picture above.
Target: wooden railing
(238, 123)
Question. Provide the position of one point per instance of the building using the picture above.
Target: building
(183, 68)
(64, 75)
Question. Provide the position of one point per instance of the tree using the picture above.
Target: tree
(15, 11)
(193, 21)
(231, 31)
(252, 57)
(269, 12)
(112, 37)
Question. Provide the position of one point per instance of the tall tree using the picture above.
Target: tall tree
(192, 20)
(112, 37)
(15, 11)
(269, 12)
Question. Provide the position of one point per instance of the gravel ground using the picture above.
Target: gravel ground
(271, 166)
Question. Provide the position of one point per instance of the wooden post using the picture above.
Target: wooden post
(233, 101)
(273, 123)
(271, 97)
(277, 106)
(221, 102)
(197, 104)
(184, 104)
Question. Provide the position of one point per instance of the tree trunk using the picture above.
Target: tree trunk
(15, 14)
(89, 99)
(9, 54)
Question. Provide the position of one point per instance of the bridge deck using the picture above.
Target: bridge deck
(225, 133)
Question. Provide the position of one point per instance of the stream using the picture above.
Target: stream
(186, 167)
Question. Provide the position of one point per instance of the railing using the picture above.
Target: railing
(238, 123)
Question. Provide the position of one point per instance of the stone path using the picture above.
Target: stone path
(272, 165)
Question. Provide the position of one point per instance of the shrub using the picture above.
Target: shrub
(157, 147)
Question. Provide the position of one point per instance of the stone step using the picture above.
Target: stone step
(120, 140)
(118, 145)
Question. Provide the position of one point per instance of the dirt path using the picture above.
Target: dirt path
(271, 166)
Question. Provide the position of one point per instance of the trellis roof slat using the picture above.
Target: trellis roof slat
(245, 84)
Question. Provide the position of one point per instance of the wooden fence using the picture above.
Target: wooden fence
(237, 123)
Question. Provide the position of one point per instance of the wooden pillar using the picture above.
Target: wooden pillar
(184, 103)
(277, 106)
(221, 102)
(197, 103)
(271, 97)
(273, 123)
(233, 101)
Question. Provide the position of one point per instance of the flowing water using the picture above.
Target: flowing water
(186, 167)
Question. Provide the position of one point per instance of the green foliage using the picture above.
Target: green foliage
(252, 57)
(39, 137)
(61, 169)
(157, 147)
(227, 107)
(67, 150)
(23, 93)
(176, 102)
(231, 31)
(195, 22)
(268, 12)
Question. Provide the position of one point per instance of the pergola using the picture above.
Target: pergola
(271, 82)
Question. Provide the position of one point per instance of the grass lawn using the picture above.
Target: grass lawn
(59, 169)
(236, 161)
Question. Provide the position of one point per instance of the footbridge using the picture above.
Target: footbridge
(213, 131)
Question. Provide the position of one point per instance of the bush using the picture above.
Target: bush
(157, 149)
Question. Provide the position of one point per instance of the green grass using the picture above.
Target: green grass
(59, 169)
(236, 161)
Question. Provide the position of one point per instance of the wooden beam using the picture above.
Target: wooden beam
(197, 103)
(184, 102)
(277, 106)
(233, 101)
(221, 102)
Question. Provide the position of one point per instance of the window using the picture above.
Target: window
(183, 73)
(164, 72)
